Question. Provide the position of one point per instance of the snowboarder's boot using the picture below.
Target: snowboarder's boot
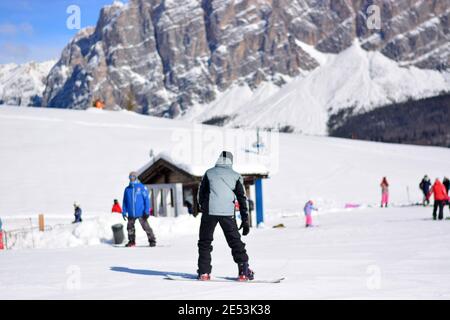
(245, 273)
(130, 244)
(204, 277)
(152, 244)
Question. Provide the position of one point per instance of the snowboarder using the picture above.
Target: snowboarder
(384, 192)
(440, 198)
(136, 205)
(308, 209)
(116, 207)
(219, 188)
(77, 213)
(425, 186)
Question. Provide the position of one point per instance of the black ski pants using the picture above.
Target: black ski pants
(232, 235)
(438, 204)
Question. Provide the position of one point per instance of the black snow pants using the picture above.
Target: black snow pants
(438, 204)
(232, 235)
(132, 230)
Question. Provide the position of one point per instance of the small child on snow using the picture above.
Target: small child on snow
(77, 213)
(116, 207)
(308, 209)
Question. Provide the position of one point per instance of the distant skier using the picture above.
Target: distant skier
(425, 186)
(219, 188)
(446, 183)
(78, 212)
(190, 207)
(116, 207)
(308, 209)
(136, 205)
(384, 192)
(440, 198)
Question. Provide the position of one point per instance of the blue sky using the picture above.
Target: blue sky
(37, 29)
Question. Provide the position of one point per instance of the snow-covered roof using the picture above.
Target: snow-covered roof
(199, 167)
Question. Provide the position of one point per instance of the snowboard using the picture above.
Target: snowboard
(141, 246)
(221, 279)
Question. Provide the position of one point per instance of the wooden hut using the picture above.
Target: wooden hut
(174, 185)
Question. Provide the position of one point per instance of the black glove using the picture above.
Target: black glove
(245, 226)
(124, 218)
(145, 216)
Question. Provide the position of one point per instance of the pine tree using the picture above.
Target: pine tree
(130, 101)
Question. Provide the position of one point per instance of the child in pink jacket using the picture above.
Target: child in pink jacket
(308, 209)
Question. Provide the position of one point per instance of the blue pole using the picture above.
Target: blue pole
(259, 202)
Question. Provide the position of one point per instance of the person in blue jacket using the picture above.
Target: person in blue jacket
(78, 212)
(136, 205)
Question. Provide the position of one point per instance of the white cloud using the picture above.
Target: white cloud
(11, 52)
(26, 28)
(10, 29)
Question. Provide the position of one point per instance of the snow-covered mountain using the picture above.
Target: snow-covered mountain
(161, 57)
(274, 64)
(23, 84)
(354, 78)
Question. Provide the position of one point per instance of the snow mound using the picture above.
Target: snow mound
(97, 231)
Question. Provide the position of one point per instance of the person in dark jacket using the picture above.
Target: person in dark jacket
(220, 187)
(78, 212)
(446, 183)
(425, 186)
(136, 206)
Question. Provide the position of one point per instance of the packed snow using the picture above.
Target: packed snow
(394, 253)
(50, 158)
(354, 78)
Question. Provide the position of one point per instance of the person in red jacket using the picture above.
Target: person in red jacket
(440, 198)
(116, 207)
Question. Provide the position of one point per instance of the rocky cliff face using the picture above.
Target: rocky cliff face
(160, 57)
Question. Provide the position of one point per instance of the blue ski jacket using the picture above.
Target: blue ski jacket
(308, 209)
(136, 201)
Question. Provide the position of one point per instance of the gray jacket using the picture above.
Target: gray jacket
(220, 187)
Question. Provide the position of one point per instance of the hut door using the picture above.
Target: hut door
(168, 199)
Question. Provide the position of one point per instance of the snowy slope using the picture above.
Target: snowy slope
(398, 253)
(50, 158)
(353, 78)
(20, 83)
